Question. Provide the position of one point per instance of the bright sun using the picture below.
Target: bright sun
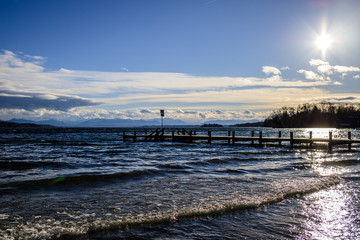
(324, 42)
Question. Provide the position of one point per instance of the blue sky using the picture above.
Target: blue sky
(199, 60)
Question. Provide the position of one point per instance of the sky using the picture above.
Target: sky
(199, 60)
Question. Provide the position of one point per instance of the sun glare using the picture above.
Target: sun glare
(324, 42)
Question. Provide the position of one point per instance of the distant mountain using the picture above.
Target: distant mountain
(118, 122)
(212, 125)
(129, 122)
(44, 122)
(104, 122)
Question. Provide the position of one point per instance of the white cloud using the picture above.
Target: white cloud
(311, 75)
(344, 69)
(356, 76)
(63, 70)
(17, 95)
(10, 62)
(325, 69)
(317, 62)
(285, 68)
(271, 70)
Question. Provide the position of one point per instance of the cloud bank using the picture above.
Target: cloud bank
(27, 88)
(31, 101)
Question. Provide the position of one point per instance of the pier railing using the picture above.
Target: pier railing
(183, 135)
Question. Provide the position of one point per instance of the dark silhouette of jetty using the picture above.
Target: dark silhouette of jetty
(183, 135)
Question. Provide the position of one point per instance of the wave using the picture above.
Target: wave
(270, 151)
(80, 179)
(70, 143)
(232, 171)
(25, 165)
(346, 162)
(26, 140)
(218, 161)
(85, 229)
(237, 159)
(172, 166)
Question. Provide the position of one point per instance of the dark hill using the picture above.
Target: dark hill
(4, 124)
(315, 116)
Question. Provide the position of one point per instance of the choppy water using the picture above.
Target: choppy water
(89, 184)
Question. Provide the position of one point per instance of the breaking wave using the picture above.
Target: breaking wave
(55, 229)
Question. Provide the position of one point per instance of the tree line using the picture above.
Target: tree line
(309, 115)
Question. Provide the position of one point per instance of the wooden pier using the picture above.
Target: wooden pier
(182, 135)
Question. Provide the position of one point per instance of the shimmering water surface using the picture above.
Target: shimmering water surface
(88, 184)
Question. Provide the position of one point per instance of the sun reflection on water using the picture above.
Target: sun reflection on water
(326, 164)
(332, 213)
(321, 132)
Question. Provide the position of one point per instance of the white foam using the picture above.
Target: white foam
(81, 225)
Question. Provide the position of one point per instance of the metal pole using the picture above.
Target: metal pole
(279, 138)
(330, 141)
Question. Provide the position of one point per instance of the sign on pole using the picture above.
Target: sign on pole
(162, 114)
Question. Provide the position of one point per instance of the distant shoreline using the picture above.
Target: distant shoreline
(4, 124)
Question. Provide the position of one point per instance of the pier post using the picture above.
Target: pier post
(190, 136)
(260, 138)
(310, 137)
(172, 135)
(330, 141)
(252, 135)
(229, 134)
(233, 137)
(194, 132)
(209, 139)
(291, 139)
(162, 134)
(134, 136)
(156, 138)
(279, 138)
(124, 136)
(349, 137)
(145, 132)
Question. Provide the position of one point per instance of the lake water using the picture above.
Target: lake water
(86, 183)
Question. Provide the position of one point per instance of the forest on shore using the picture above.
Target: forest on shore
(315, 115)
